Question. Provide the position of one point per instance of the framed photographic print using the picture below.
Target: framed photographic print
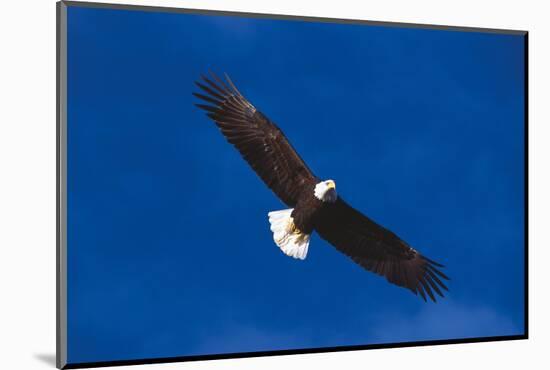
(234, 184)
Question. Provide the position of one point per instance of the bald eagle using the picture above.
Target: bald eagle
(314, 204)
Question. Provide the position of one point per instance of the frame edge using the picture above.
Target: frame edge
(61, 185)
(287, 17)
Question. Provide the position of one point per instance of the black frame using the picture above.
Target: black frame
(61, 160)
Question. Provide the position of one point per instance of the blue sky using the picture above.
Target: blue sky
(169, 247)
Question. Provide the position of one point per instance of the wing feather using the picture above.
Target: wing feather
(260, 142)
(380, 250)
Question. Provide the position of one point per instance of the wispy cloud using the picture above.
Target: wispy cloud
(245, 338)
(446, 320)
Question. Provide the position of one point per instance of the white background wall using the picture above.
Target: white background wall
(27, 181)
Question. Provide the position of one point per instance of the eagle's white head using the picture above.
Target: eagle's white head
(326, 191)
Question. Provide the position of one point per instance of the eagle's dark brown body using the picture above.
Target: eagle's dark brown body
(266, 149)
(307, 210)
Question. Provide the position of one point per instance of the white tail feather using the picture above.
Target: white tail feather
(292, 241)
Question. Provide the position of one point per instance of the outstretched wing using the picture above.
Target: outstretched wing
(379, 250)
(261, 143)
